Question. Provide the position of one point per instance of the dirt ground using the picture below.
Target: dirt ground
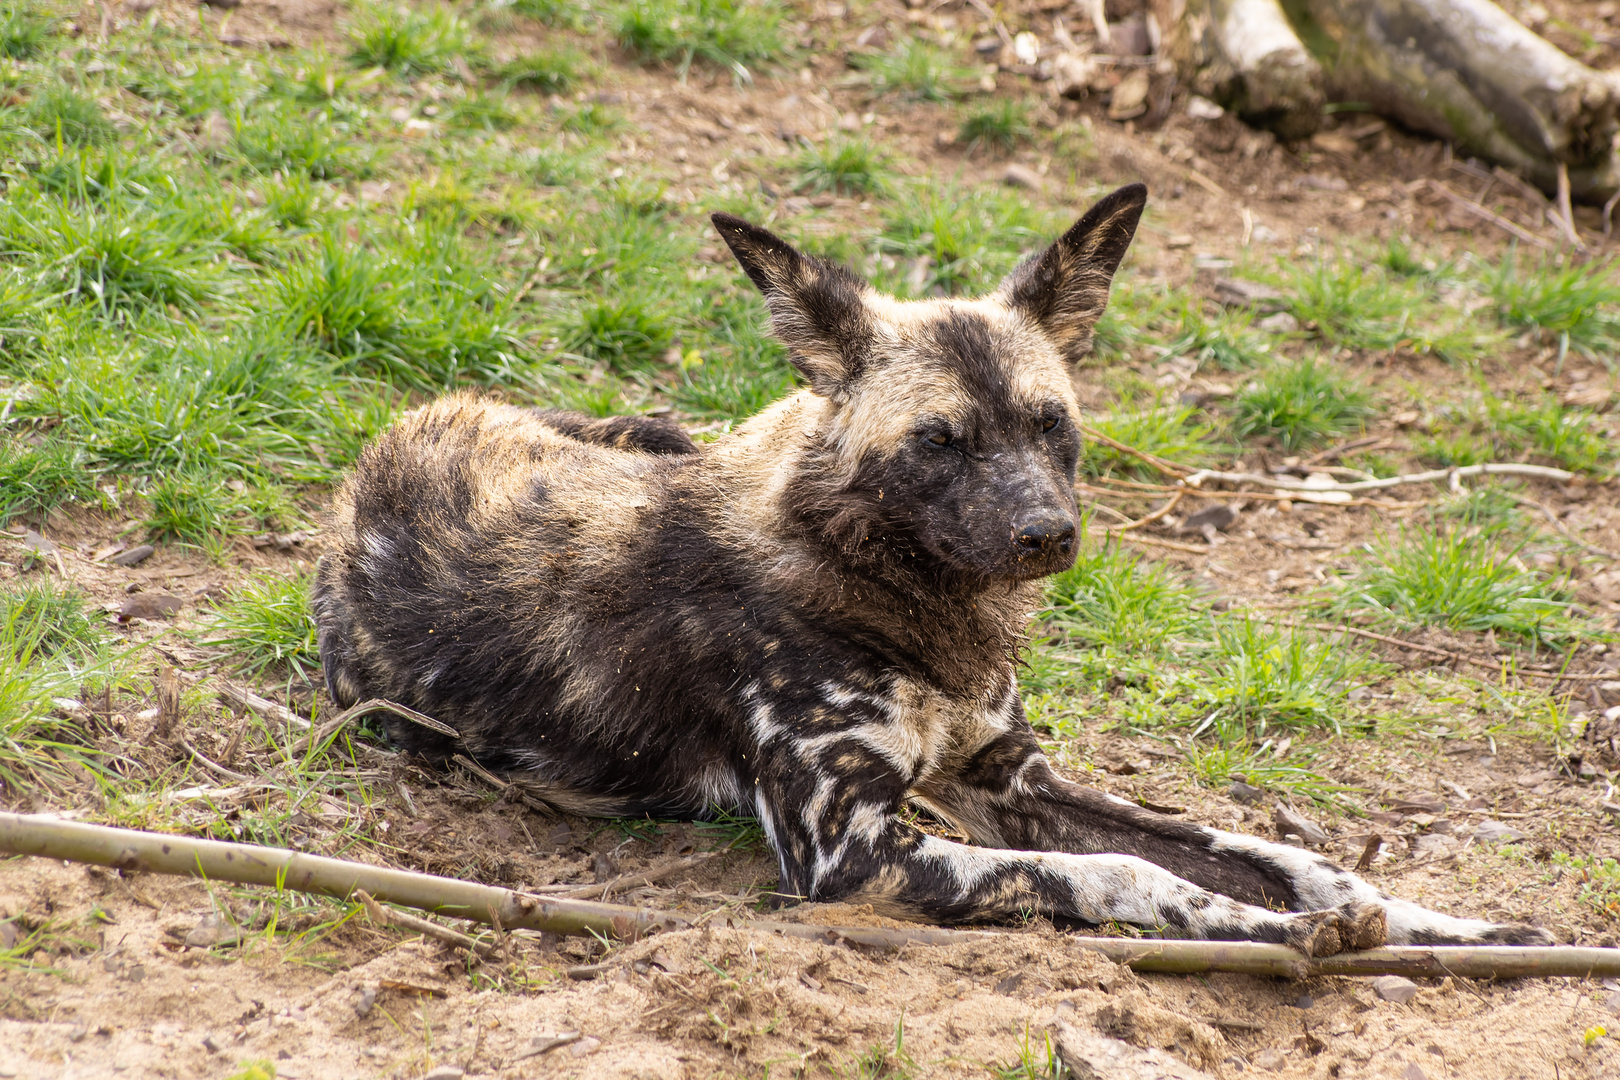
(124, 994)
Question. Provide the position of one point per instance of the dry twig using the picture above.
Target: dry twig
(1489, 215)
(383, 917)
(1540, 472)
(1433, 650)
(1166, 467)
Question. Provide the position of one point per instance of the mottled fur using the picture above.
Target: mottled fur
(813, 620)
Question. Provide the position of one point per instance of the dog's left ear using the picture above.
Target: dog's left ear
(1064, 289)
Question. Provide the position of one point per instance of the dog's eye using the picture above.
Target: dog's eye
(939, 438)
(1050, 423)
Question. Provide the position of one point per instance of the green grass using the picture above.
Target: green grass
(37, 479)
(408, 41)
(43, 620)
(1302, 403)
(1578, 303)
(1134, 642)
(1599, 882)
(1459, 580)
(267, 627)
(916, 71)
(58, 112)
(547, 71)
(24, 31)
(1173, 432)
(729, 34)
(1260, 677)
(627, 334)
(967, 238)
(843, 165)
(1365, 306)
(1002, 125)
(1541, 429)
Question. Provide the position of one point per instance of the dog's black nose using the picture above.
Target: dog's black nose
(1044, 531)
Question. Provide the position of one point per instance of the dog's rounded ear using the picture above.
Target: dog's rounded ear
(1064, 289)
(817, 308)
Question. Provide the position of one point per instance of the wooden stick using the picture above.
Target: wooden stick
(1170, 504)
(1162, 465)
(1540, 472)
(383, 917)
(1548, 513)
(264, 707)
(1173, 545)
(1565, 218)
(626, 882)
(371, 705)
(247, 864)
(1432, 650)
(1494, 218)
(212, 766)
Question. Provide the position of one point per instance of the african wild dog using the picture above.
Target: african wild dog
(813, 620)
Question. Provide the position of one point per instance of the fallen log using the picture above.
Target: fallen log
(1461, 70)
(1468, 72)
(1245, 55)
(133, 851)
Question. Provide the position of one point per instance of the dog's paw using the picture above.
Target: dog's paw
(1351, 926)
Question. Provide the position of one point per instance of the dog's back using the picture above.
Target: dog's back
(476, 551)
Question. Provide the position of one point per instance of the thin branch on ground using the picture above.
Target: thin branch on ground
(1489, 215)
(248, 864)
(1170, 504)
(1540, 472)
(1496, 664)
(625, 882)
(211, 765)
(381, 916)
(1552, 516)
(266, 708)
(1167, 467)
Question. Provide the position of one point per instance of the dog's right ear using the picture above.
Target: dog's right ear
(816, 307)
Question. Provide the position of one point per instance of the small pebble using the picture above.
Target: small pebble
(134, 555)
(1245, 793)
(1271, 1059)
(1494, 832)
(1394, 988)
(445, 1072)
(1304, 1001)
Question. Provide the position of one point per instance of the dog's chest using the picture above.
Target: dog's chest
(922, 729)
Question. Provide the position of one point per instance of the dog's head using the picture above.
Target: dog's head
(952, 431)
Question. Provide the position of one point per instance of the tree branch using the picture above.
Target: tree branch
(248, 864)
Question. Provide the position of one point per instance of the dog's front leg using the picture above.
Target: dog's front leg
(1005, 795)
(828, 806)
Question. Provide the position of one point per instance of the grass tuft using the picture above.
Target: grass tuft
(408, 41)
(1462, 581)
(917, 72)
(730, 34)
(41, 620)
(23, 31)
(549, 71)
(267, 625)
(1001, 125)
(59, 111)
(1579, 302)
(35, 480)
(845, 166)
(1299, 404)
